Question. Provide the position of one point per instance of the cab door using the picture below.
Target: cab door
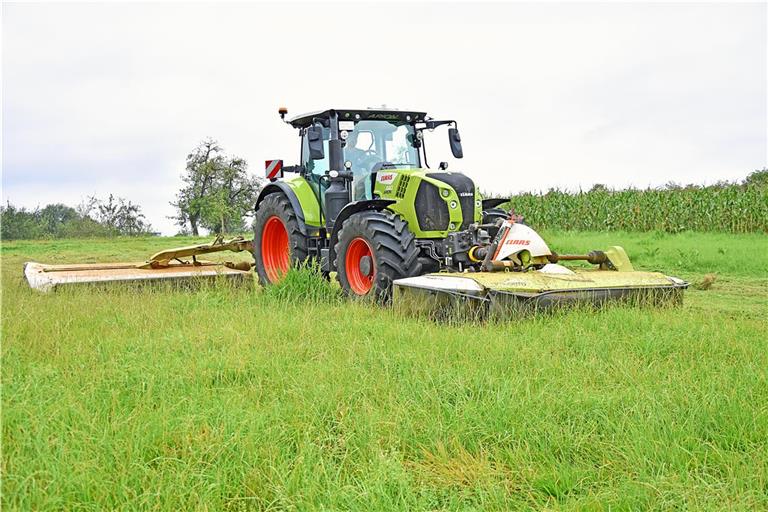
(316, 169)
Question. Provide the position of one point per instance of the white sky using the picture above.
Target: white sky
(101, 98)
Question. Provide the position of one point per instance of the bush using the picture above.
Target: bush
(114, 217)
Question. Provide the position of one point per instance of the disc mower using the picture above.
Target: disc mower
(364, 203)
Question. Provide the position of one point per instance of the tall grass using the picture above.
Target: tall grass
(305, 285)
(730, 208)
(237, 398)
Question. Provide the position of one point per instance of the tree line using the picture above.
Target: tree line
(94, 217)
(217, 195)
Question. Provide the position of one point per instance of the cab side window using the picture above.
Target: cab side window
(360, 151)
(317, 167)
(365, 141)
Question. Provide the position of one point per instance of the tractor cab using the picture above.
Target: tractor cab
(367, 140)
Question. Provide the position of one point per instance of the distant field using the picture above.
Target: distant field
(725, 208)
(236, 399)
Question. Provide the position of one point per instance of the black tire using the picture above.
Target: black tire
(393, 248)
(277, 205)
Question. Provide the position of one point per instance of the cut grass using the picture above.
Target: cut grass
(240, 399)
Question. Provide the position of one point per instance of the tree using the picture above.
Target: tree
(18, 223)
(54, 217)
(92, 218)
(758, 178)
(117, 215)
(217, 193)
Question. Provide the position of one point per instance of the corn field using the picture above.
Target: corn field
(731, 208)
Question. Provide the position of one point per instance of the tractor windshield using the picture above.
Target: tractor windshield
(378, 142)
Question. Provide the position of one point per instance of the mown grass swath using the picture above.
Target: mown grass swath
(730, 208)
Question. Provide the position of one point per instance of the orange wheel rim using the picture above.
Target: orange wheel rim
(355, 263)
(274, 249)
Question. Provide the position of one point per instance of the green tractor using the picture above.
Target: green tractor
(364, 203)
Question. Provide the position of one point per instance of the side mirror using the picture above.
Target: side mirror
(315, 140)
(455, 141)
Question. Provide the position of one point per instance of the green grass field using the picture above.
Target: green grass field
(234, 399)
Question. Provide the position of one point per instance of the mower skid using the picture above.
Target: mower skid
(501, 303)
(432, 296)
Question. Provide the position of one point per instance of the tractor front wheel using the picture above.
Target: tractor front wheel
(374, 249)
(278, 243)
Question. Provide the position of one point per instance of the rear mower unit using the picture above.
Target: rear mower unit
(165, 266)
(364, 203)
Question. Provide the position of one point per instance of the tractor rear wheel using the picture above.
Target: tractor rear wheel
(278, 243)
(374, 249)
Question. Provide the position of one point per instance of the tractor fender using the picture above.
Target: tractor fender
(347, 212)
(494, 202)
(280, 187)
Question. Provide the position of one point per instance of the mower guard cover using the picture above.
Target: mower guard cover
(46, 278)
(500, 293)
(164, 266)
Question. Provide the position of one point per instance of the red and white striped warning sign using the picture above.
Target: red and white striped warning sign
(274, 169)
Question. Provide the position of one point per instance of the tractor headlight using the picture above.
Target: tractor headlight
(454, 204)
(478, 203)
(445, 192)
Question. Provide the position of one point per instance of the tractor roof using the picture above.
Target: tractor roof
(356, 114)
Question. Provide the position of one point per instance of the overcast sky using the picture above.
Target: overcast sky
(100, 98)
